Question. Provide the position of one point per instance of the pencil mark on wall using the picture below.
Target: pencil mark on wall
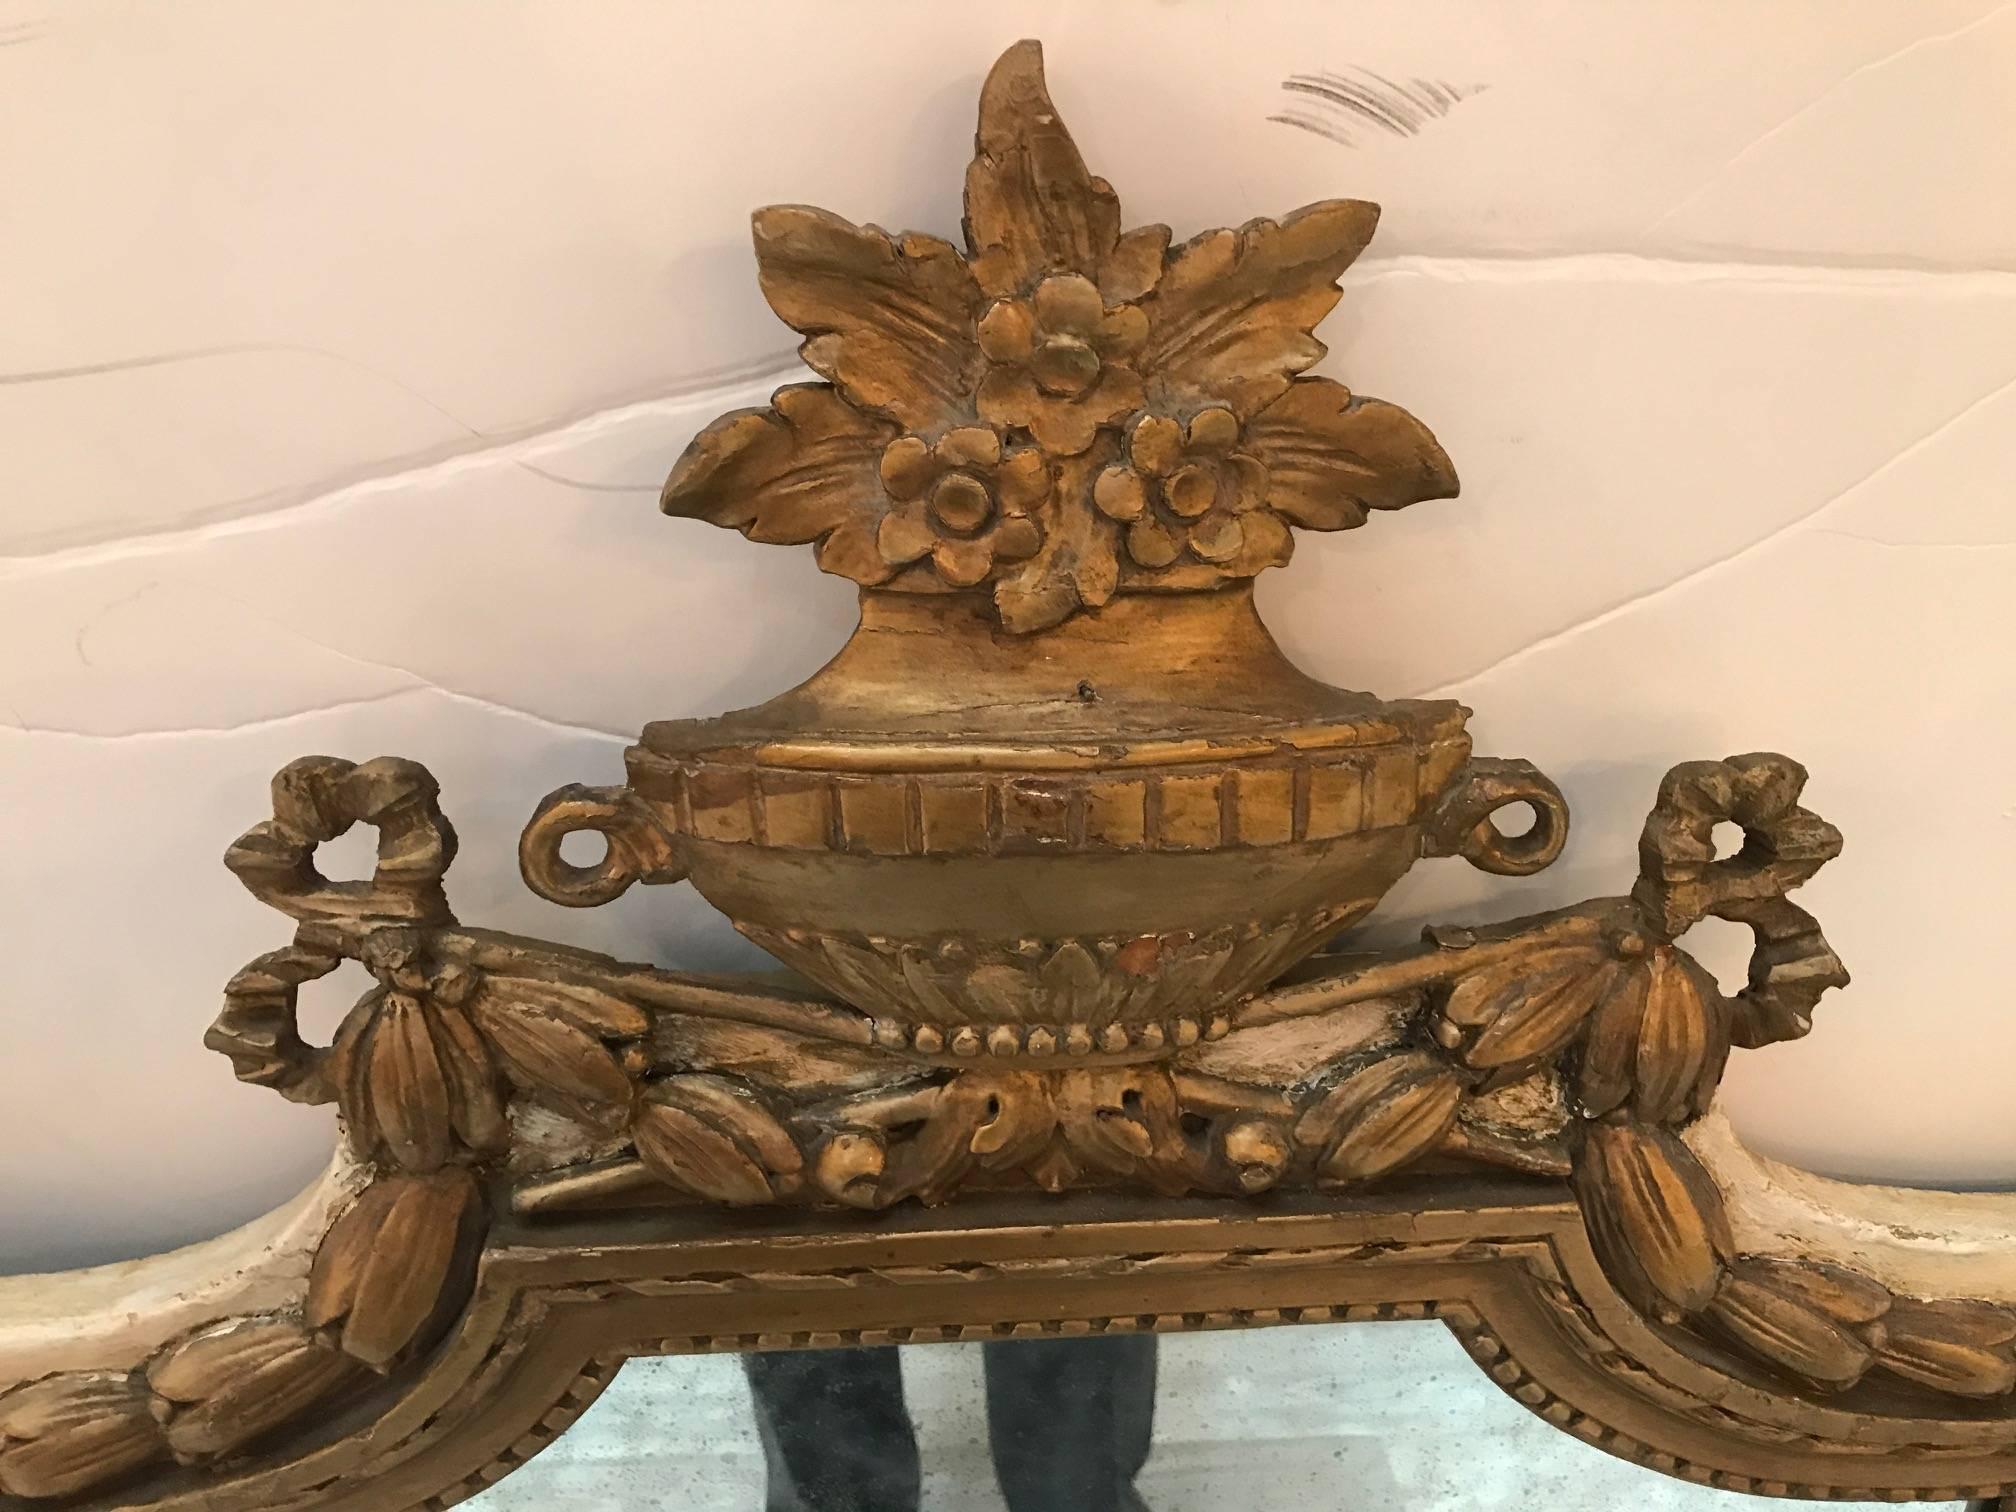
(1340, 106)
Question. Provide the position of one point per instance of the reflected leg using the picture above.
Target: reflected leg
(1070, 1421)
(836, 1435)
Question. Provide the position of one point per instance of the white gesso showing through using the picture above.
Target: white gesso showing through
(347, 345)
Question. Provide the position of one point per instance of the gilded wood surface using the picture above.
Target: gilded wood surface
(1055, 847)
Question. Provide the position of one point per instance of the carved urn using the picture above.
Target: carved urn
(1061, 794)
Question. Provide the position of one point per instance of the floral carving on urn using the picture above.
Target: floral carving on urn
(1062, 411)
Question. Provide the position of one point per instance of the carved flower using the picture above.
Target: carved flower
(1058, 362)
(1054, 326)
(961, 503)
(1192, 492)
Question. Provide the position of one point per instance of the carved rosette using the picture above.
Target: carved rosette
(1061, 410)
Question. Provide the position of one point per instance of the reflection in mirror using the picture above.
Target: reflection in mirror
(1390, 1417)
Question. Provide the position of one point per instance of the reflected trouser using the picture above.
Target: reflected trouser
(1069, 1421)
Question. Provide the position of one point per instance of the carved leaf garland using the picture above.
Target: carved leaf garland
(550, 1043)
(1798, 1339)
(1528, 1007)
(1958, 1347)
(1657, 1040)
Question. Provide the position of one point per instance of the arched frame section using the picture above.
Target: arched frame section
(1505, 1264)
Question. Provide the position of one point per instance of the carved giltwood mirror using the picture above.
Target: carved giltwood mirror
(1060, 856)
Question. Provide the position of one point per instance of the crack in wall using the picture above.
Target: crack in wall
(1624, 606)
(16, 725)
(1863, 71)
(680, 402)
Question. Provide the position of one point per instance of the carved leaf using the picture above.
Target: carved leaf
(1230, 321)
(1655, 1217)
(706, 1134)
(409, 1090)
(234, 1383)
(930, 1163)
(1683, 1032)
(589, 1008)
(1331, 457)
(1840, 1294)
(1032, 207)
(890, 320)
(803, 470)
(1794, 1337)
(1609, 1059)
(475, 1101)
(67, 1433)
(1382, 1117)
(384, 1267)
(207, 1362)
(1958, 1347)
(550, 1055)
(1530, 1006)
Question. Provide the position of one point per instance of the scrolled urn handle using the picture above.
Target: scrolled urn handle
(639, 847)
(1460, 823)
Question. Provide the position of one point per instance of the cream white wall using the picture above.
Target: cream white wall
(344, 346)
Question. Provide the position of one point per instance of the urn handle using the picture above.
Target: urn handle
(638, 846)
(1460, 823)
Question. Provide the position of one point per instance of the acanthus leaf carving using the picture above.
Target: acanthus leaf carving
(1232, 318)
(1331, 456)
(1032, 206)
(807, 469)
(889, 320)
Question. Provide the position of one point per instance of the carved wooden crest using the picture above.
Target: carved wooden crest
(1065, 410)
(1060, 852)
